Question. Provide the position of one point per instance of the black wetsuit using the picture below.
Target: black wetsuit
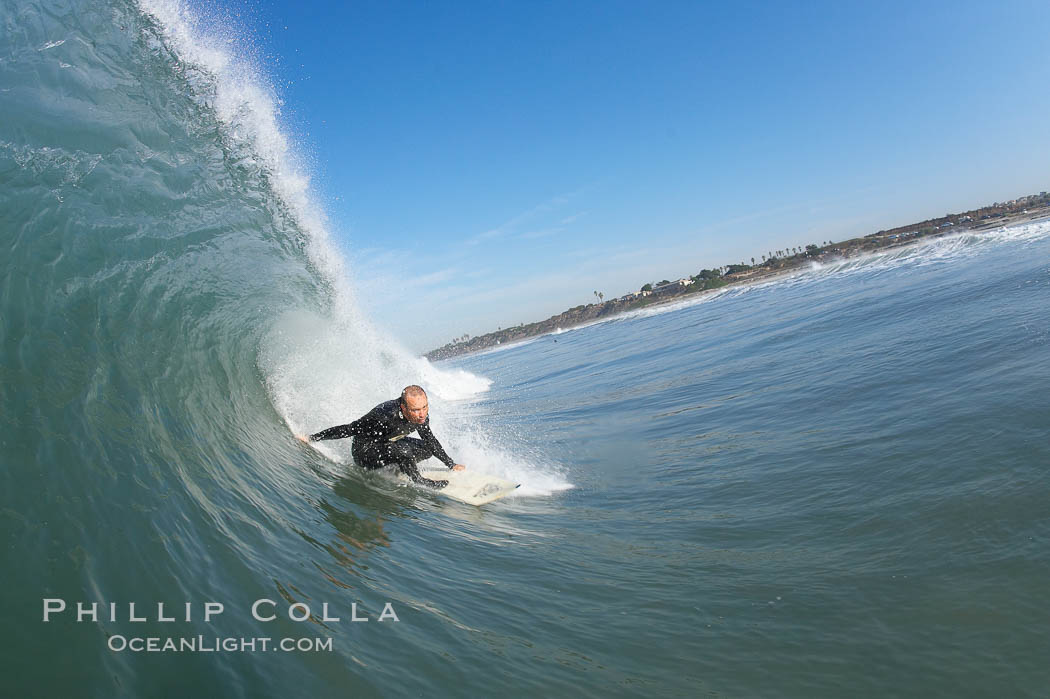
(380, 439)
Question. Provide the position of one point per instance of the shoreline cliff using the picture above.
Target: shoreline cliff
(993, 217)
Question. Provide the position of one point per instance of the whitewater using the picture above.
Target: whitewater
(832, 483)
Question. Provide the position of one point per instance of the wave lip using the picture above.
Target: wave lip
(248, 108)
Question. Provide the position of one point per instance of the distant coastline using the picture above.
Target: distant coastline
(773, 264)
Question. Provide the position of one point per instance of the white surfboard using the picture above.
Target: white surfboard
(471, 487)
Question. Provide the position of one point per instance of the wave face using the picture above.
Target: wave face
(173, 309)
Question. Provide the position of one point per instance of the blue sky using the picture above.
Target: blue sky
(489, 163)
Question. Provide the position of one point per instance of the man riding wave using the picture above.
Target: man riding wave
(381, 437)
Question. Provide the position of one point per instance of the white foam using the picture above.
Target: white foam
(227, 80)
(475, 448)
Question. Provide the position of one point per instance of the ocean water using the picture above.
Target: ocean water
(833, 484)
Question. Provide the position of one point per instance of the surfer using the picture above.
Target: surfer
(381, 437)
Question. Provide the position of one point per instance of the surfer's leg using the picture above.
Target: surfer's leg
(369, 455)
(408, 452)
(410, 449)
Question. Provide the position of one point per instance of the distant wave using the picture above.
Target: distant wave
(942, 250)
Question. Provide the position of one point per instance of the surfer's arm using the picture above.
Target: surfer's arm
(354, 429)
(337, 432)
(434, 445)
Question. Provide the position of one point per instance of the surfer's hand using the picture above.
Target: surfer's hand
(458, 467)
(303, 438)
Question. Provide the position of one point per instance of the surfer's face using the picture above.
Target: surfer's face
(415, 409)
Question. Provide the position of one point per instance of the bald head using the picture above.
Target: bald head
(414, 404)
(413, 392)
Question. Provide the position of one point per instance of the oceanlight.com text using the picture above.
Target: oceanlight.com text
(215, 644)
